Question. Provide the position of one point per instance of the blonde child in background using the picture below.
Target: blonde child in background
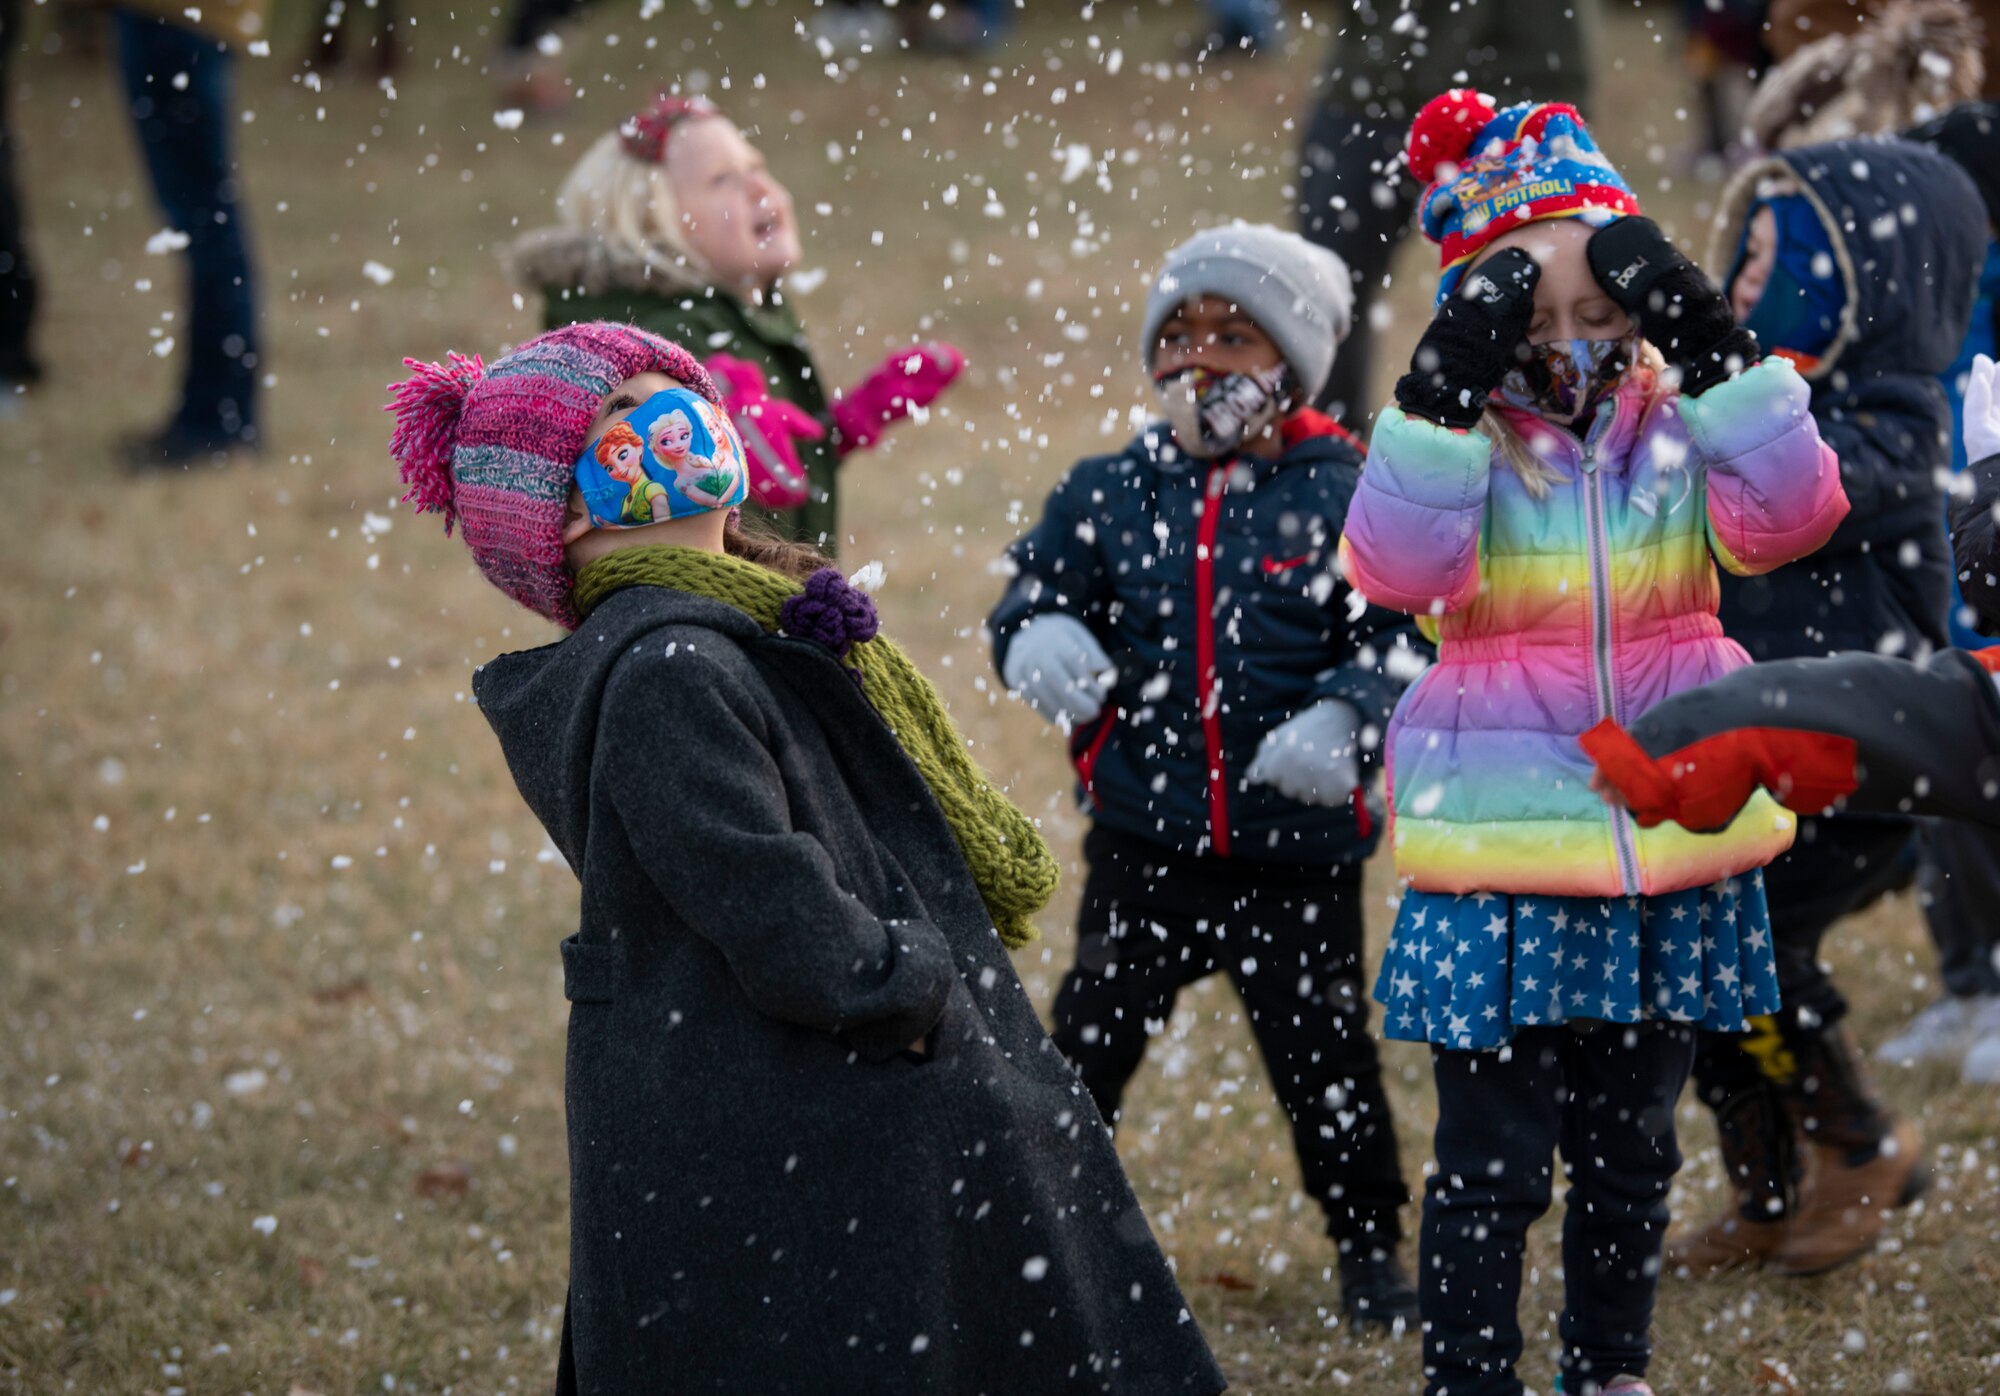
(675, 223)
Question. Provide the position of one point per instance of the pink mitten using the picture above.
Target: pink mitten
(771, 429)
(908, 378)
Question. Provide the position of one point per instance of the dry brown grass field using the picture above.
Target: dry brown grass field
(280, 1013)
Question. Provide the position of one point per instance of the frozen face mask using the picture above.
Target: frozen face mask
(673, 455)
(1564, 378)
(1214, 413)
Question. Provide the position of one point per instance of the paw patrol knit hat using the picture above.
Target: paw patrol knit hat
(1489, 171)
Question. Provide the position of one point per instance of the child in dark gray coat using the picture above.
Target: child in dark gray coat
(819, 1143)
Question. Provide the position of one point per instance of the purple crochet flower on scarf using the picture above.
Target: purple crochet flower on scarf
(831, 611)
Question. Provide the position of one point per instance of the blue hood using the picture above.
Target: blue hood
(1908, 230)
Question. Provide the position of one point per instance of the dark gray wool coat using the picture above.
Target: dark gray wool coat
(768, 1193)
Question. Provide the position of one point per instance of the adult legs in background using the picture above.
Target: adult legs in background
(328, 48)
(1863, 1160)
(1355, 198)
(528, 77)
(178, 85)
(1242, 26)
(17, 273)
(1961, 885)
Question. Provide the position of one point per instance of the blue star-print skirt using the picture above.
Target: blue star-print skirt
(1467, 971)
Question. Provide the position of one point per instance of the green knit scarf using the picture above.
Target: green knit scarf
(1013, 867)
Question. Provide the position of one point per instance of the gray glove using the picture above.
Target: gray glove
(1059, 669)
(1315, 757)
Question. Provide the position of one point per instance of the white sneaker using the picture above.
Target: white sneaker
(1982, 1058)
(1942, 1032)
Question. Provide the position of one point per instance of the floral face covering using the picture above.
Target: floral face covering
(1566, 377)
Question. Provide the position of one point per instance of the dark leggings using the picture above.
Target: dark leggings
(1604, 1098)
(1295, 958)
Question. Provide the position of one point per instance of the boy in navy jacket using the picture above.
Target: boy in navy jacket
(1179, 614)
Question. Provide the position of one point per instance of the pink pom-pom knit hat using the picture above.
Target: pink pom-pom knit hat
(495, 449)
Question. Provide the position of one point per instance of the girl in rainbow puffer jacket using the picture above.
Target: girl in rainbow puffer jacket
(1584, 434)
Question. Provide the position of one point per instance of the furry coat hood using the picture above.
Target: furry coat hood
(1914, 60)
(576, 260)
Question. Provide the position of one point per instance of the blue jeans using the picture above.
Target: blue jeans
(184, 136)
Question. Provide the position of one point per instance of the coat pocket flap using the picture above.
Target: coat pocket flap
(592, 973)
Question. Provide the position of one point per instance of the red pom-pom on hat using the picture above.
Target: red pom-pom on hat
(1444, 131)
(428, 406)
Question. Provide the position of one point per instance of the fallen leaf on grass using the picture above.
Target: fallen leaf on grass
(444, 1180)
(312, 1274)
(1222, 1279)
(354, 988)
(1775, 1379)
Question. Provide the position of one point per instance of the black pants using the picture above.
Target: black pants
(1606, 1100)
(1834, 868)
(1154, 921)
(1357, 199)
(1962, 886)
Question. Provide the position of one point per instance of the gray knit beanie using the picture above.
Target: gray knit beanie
(1299, 293)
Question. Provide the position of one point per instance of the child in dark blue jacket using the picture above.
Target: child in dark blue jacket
(1178, 612)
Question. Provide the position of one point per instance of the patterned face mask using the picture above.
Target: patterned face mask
(1214, 413)
(673, 455)
(1566, 377)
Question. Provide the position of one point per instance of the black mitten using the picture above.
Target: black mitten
(1476, 336)
(1677, 308)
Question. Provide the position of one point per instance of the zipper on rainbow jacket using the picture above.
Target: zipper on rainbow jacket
(1602, 677)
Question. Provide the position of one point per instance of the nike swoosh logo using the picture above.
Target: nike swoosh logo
(1272, 567)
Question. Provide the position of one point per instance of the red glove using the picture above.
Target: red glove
(908, 378)
(770, 428)
(1704, 785)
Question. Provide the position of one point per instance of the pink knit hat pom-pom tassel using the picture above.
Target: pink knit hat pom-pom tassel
(428, 406)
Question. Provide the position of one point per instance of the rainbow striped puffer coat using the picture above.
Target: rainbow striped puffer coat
(1595, 601)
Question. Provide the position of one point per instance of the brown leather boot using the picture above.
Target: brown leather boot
(1760, 1157)
(1848, 1204)
(1726, 1243)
